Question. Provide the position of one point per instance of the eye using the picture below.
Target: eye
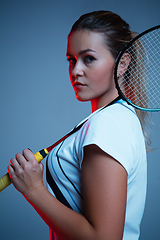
(89, 59)
(71, 60)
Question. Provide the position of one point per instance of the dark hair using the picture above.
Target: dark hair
(117, 34)
(115, 30)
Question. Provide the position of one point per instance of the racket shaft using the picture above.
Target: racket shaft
(5, 181)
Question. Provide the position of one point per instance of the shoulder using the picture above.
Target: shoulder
(114, 130)
(118, 116)
(116, 121)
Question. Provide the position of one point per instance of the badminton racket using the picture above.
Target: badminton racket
(137, 79)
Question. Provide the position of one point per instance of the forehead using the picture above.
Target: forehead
(81, 40)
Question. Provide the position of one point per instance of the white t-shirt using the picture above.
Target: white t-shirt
(117, 131)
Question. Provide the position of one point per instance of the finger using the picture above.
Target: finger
(13, 175)
(17, 168)
(41, 166)
(32, 160)
(21, 159)
(10, 170)
(27, 153)
(17, 180)
(14, 163)
(29, 149)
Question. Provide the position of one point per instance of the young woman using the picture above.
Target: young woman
(96, 178)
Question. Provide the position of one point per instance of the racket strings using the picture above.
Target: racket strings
(141, 82)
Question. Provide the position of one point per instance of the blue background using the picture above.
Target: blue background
(37, 103)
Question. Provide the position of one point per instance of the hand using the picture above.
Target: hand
(26, 173)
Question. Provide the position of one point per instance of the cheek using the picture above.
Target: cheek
(70, 74)
(104, 74)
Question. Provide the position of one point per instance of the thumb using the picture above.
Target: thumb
(41, 166)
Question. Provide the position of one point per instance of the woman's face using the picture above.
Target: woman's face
(91, 67)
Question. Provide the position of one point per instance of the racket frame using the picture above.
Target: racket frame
(116, 68)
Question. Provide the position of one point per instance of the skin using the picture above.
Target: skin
(104, 180)
(91, 68)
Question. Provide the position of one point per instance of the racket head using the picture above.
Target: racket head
(137, 71)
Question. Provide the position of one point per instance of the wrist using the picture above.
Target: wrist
(35, 193)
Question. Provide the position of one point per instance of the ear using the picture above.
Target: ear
(123, 64)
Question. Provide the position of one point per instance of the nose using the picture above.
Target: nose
(77, 69)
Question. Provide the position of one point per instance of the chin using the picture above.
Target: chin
(81, 99)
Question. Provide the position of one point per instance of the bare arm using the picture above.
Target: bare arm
(104, 188)
(104, 192)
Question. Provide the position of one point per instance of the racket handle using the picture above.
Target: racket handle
(5, 181)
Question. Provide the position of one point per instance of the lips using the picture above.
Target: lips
(78, 85)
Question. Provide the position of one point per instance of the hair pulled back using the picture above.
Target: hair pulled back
(115, 30)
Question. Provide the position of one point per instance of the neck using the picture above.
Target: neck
(98, 103)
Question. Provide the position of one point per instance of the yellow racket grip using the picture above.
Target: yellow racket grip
(5, 181)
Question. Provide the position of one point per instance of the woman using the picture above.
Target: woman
(96, 178)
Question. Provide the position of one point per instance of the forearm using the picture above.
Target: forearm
(66, 223)
(104, 197)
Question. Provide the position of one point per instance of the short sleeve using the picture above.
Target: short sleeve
(115, 132)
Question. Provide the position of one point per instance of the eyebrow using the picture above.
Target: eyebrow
(82, 52)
